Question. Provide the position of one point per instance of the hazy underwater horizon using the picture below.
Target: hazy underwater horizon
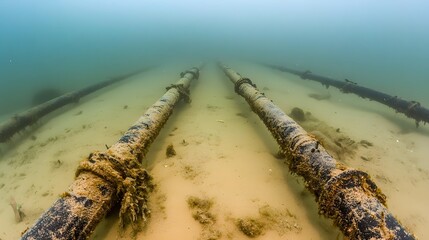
(70, 44)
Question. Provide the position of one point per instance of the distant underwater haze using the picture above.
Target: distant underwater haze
(67, 45)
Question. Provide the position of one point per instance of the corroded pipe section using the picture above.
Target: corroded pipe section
(411, 109)
(32, 115)
(346, 195)
(116, 175)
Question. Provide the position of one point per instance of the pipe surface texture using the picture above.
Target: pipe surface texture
(116, 175)
(346, 195)
(411, 109)
(29, 117)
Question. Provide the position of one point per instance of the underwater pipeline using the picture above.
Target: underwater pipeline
(411, 109)
(346, 195)
(22, 120)
(113, 176)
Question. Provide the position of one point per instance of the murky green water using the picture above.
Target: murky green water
(65, 46)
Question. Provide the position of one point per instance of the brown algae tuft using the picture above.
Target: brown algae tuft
(198, 203)
(201, 213)
(170, 152)
(251, 227)
(281, 221)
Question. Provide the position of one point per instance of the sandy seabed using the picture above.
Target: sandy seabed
(225, 157)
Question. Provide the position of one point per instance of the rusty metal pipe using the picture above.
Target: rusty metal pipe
(107, 178)
(346, 195)
(411, 109)
(20, 121)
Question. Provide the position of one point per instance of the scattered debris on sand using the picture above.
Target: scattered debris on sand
(17, 210)
(366, 143)
(320, 97)
(336, 142)
(250, 227)
(201, 213)
(281, 221)
(189, 172)
(184, 143)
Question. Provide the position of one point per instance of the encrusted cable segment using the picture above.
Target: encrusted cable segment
(184, 92)
(352, 191)
(392, 99)
(412, 109)
(27, 118)
(107, 178)
(241, 81)
(194, 71)
(346, 88)
(133, 183)
(305, 74)
(347, 196)
(350, 178)
(300, 139)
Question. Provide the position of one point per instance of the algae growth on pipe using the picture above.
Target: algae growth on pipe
(346, 195)
(114, 176)
(411, 109)
(22, 120)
